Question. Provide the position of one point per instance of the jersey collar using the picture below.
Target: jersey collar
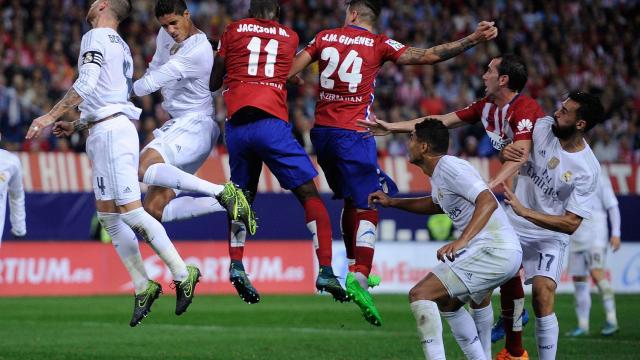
(357, 27)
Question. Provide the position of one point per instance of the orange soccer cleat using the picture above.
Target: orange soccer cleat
(504, 355)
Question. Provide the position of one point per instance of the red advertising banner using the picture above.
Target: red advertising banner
(81, 268)
(70, 172)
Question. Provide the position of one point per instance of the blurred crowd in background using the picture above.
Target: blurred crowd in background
(567, 45)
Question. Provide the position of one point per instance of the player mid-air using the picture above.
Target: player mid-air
(254, 58)
(349, 60)
(102, 92)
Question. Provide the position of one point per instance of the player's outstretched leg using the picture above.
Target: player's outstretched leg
(328, 282)
(241, 282)
(513, 316)
(143, 301)
(361, 297)
(185, 289)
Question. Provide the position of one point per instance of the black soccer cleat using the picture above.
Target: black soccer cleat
(185, 289)
(143, 301)
(241, 282)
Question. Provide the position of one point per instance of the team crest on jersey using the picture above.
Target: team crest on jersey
(3, 177)
(553, 163)
(566, 177)
(440, 194)
(394, 44)
(92, 57)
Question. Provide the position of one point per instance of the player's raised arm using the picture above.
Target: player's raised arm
(416, 56)
(380, 127)
(511, 166)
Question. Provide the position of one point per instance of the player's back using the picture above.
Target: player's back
(105, 48)
(258, 55)
(349, 60)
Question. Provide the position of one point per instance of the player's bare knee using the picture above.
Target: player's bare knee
(306, 191)
(155, 209)
(543, 294)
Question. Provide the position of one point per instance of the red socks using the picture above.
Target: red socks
(314, 210)
(365, 237)
(512, 301)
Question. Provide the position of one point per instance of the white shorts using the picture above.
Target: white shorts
(113, 149)
(185, 142)
(477, 271)
(542, 258)
(582, 262)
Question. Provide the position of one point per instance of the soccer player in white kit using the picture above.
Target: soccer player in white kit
(11, 184)
(554, 191)
(181, 68)
(101, 92)
(486, 254)
(587, 254)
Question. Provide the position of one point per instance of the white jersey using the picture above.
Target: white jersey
(11, 185)
(106, 70)
(182, 72)
(594, 232)
(455, 186)
(553, 182)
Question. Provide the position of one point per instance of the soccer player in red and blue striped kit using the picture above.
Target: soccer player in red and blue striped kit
(349, 60)
(254, 58)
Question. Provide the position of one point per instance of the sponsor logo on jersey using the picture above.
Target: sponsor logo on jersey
(394, 44)
(454, 213)
(524, 126)
(553, 163)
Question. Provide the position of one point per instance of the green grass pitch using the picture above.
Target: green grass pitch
(280, 327)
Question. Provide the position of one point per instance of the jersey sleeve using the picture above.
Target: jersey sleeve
(313, 47)
(606, 192)
(522, 123)
(465, 181)
(582, 197)
(542, 132)
(391, 50)
(472, 113)
(161, 54)
(92, 52)
(16, 202)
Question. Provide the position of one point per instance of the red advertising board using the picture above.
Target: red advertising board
(81, 268)
(70, 172)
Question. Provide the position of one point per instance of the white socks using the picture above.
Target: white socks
(126, 244)
(608, 301)
(483, 318)
(187, 207)
(169, 176)
(154, 234)
(465, 332)
(547, 336)
(583, 303)
(430, 328)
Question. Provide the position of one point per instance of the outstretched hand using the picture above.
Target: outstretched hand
(513, 201)
(379, 198)
(485, 31)
(374, 126)
(38, 125)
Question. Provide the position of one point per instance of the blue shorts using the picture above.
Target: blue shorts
(350, 164)
(270, 141)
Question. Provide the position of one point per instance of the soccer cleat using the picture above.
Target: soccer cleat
(245, 212)
(609, 329)
(577, 332)
(497, 332)
(373, 280)
(185, 289)
(229, 199)
(328, 282)
(241, 282)
(504, 355)
(363, 299)
(143, 301)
